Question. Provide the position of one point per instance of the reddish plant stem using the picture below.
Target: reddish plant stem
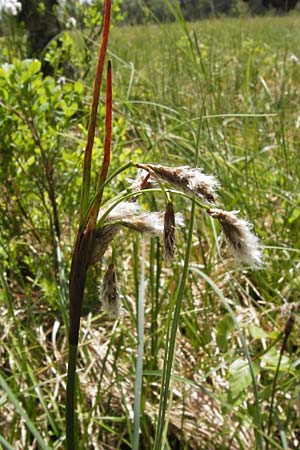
(107, 148)
(93, 114)
(108, 126)
(80, 263)
(86, 231)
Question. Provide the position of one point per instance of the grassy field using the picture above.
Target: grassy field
(222, 95)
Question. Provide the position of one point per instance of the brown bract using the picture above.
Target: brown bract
(169, 233)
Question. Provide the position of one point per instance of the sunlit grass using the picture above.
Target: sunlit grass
(229, 92)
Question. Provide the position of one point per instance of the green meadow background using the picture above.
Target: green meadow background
(225, 92)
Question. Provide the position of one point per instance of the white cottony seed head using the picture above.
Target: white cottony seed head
(121, 210)
(109, 293)
(244, 245)
(150, 223)
(10, 7)
(186, 179)
(71, 22)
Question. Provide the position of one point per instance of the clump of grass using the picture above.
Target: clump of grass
(228, 93)
(99, 226)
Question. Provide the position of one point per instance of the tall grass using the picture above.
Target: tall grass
(225, 95)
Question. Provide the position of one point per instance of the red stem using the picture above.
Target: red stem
(108, 125)
(93, 114)
(107, 147)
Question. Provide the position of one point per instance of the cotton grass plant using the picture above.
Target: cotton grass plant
(101, 222)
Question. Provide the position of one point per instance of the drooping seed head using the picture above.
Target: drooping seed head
(150, 223)
(244, 245)
(109, 293)
(169, 233)
(120, 211)
(186, 179)
(127, 214)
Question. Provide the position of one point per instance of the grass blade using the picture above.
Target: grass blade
(167, 370)
(245, 350)
(20, 410)
(140, 354)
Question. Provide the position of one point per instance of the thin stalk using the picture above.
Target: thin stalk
(287, 331)
(93, 212)
(70, 406)
(6, 445)
(258, 428)
(22, 413)
(85, 193)
(85, 234)
(140, 352)
(167, 370)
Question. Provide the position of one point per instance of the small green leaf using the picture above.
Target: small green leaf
(224, 328)
(31, 160)
(78, 87)
(34, 67)
(271, 358)
(240, 375)
(257, 332)
(295, 215)
(31, 67)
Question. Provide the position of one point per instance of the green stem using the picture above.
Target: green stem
(102, 185)
(123, 197)
(140, 354)
(71, 398)
(287, 332)
(257, 418)
(167, 370)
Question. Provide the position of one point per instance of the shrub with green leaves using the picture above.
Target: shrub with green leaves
(39, 167)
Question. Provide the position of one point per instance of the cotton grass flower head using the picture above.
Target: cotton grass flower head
(169, 233)
(120, 211)
(187, 179)
(105, 234)
(10, 7)
(128, 215)
(109, 293)
(71, 22)
(243, 244)
(152, 223)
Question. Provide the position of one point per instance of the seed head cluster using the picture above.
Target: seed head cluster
(243, 244)
(130, 215)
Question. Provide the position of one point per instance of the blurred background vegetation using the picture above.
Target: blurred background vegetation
(226, 88)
